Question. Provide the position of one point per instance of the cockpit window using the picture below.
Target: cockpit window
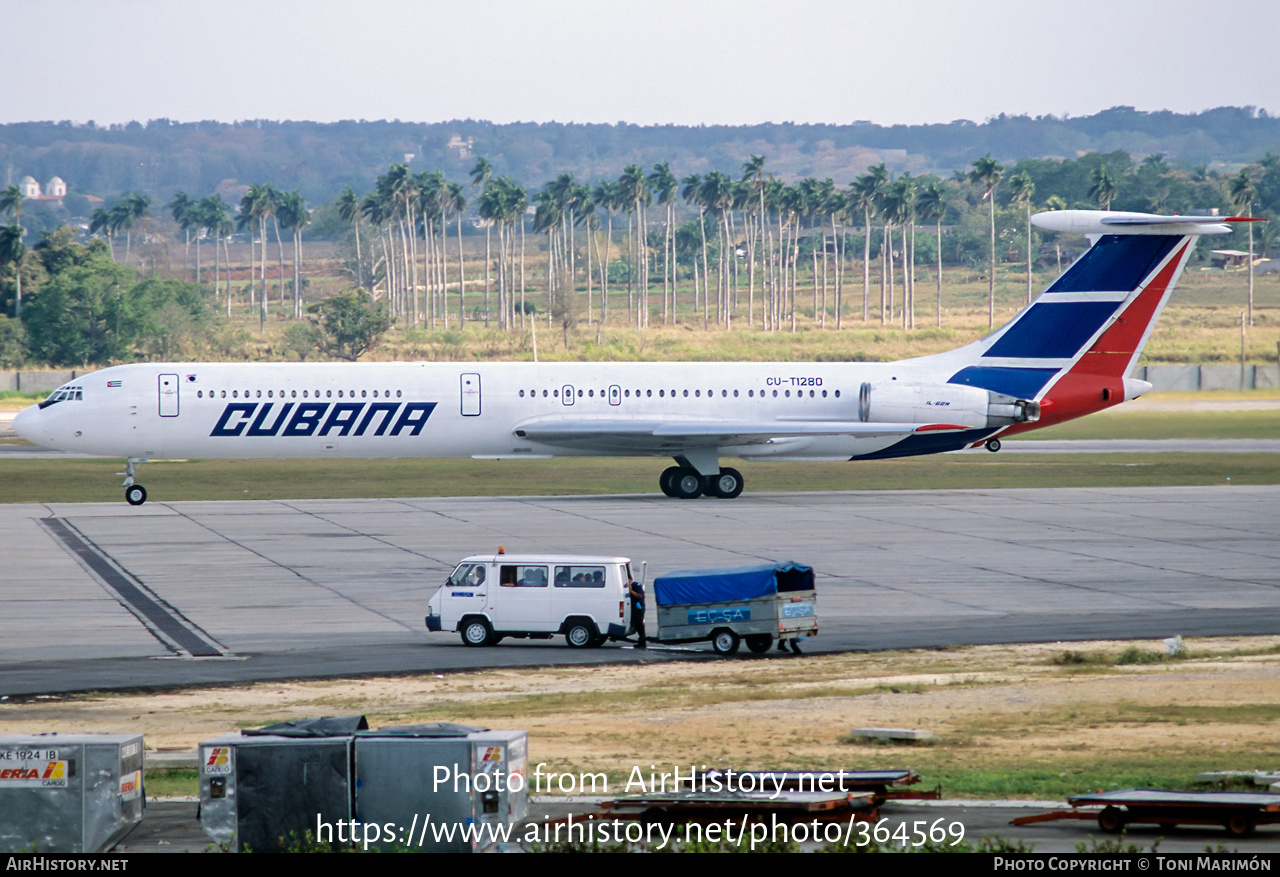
(63, 394)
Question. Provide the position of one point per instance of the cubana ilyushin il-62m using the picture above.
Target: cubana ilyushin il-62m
(1067, 354)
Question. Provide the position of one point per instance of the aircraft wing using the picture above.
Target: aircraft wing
(665, 436)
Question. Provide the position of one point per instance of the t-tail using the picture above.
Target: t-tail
(1070, 352)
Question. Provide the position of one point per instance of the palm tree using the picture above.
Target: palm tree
(582, 213)
(636, 195)
(126, 214)
(828, 200)
(212, 213)
(101, 222)
(491, 210)
(256, 205)
(349, 211)
(691, 192)
(514, 203)
(606, 195)
(1056, 202)
(376, 208)
(897, 206)
(716, 195)
(400, 191)
(549, 219)
(1103, 189)
(293, 215)
(753, 173)
(181, 209)
(11, 203)
(791, 205)
(455, 203)
(1243, 192)
(933, 205)
(1020, 191)
(986, 173)
(12, 251)
(665, 185)
(1155, 163)
(482, 173)
(431, 197)
(905, 193)
(865, 191)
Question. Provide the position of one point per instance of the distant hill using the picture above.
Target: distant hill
(161, 156)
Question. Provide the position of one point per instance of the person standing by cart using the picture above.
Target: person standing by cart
(636, 591)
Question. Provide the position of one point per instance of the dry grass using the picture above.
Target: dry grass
(1012, 719)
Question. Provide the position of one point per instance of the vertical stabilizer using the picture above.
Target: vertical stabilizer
(1072, 348)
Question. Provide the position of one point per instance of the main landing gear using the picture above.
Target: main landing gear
(134, 494)
(685, 482)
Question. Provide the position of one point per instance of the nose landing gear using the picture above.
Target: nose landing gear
(134, 494)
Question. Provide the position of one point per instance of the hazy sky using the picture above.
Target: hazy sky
(678, 61)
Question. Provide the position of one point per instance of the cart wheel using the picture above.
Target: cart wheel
(725, 642)
(1240, 825)
(1111, 820)
(759, 643)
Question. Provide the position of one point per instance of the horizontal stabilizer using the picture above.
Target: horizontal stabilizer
(1095, 222)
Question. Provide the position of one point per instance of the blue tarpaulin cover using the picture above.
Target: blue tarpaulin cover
(737, 583)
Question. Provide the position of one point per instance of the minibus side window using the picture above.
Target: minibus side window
(523, 576)
(579, 576)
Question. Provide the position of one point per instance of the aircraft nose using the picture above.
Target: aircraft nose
(24, 424)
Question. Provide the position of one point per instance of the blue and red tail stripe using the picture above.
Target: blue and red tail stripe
(1096, 379)
(1067, 329)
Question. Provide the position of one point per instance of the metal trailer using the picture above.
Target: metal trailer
(69, 793)
(682, 807)
(1238, 812)
(758, 604)
(883, 785)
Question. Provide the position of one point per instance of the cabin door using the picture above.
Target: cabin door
(471, 395)
(168, 395)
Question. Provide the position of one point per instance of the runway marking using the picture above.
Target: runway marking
(163, 621)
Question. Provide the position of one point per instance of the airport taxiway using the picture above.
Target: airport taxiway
(111, 596)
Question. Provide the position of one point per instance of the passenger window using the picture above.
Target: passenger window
(579, 576)
(523, 577)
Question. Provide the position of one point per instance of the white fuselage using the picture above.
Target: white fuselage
(307, 410)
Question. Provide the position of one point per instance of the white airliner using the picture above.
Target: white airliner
(1066, 355)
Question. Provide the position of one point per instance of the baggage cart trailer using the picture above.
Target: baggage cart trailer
(1238, 812)
(756, 604)
(680, 807)
(882, 785)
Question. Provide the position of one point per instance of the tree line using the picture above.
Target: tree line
(721, 249)
(744, 252)
(164, 156)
